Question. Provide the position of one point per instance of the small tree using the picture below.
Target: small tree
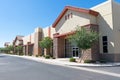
(46, 43)
(84, 39)
(19, 49)
(3, 50)
(10, 48)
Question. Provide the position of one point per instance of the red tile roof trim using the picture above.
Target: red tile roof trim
(91, 12)
(65, 34)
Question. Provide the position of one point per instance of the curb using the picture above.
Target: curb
(57, 62)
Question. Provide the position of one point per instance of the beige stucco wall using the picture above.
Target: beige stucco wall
(18, 42)
(116, 23)
(32, 38)
(26, 39)
(52, 31)
(29, 38)
(46, 31)
(70, 24)
(105, 22)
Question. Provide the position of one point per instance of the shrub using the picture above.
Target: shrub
(102, 61)
(53, 58)
(37, 55)
(30, 54)
(89, 61)
(21, 54)
(41, 55)
(47, 56)
(72, 60)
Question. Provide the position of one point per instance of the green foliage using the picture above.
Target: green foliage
(4, 50)
(84, 39)
(7, 49)
(46, 43)
(19, 49)
(53, 58)
(102, 61)
(21, 54)
(41, 55)
(72, 59)
(47, 56)
(37, 55)
(11, 48)
(30, 54)
(89, 61)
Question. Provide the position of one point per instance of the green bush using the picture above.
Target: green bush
(21, 54)
(72, 60)
(41, 55)
(30, 54)
(89, 61)
(53, 58)
(37, 55)
(47, 56)
(102, 61)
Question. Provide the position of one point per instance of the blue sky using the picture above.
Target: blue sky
(21, 17)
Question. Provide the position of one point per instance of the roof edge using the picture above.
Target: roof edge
(88, 11)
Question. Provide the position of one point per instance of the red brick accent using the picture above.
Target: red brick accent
(64, 35)
(91, 12)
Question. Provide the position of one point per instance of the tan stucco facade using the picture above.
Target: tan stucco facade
(30, 42)
(107, 20)
(78, 19)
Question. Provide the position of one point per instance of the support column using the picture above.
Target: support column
(37, 38)
(27, 48)
(58, 47)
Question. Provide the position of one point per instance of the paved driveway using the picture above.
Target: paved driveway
(14, 68)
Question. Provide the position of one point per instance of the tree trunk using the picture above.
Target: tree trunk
(81, 57)
(47, 51)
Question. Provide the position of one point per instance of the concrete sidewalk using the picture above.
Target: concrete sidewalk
(65, 61)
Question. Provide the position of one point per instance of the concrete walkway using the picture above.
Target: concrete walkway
(65, 61)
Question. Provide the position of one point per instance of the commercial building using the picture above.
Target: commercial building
(30, 42)
(104, 18)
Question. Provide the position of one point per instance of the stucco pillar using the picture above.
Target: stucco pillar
(37, 38)
(24, 51)
(58, 47)
(27, 49)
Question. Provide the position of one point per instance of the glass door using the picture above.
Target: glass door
(75, 51)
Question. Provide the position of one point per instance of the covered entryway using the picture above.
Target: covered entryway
(71, 50)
